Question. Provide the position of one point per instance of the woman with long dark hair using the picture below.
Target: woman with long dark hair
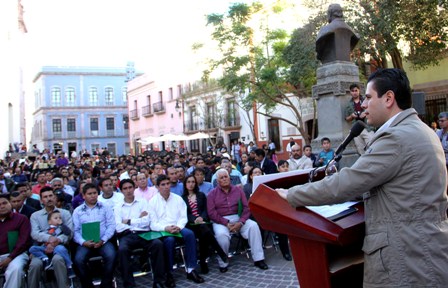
(199, 222)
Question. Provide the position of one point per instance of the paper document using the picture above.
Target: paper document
(329, 211)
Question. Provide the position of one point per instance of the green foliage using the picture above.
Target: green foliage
(265, 71)
(413, 29)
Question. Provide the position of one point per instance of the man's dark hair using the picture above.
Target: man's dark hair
(394, 80)
(325, 139)
(124, 181)
(307, 146)
(197, 170)
(15, 194)
(161, 178)
(354, 85)
(101, 181)
(260, 152)
(89, 186)
(18, 185)
(46, 189)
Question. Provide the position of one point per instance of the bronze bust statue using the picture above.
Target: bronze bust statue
(335, 40)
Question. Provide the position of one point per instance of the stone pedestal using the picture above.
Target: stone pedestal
(332, 94)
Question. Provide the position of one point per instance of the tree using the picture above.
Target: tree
(413, 30)
(257, 69)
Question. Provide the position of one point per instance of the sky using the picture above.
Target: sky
(156, 35)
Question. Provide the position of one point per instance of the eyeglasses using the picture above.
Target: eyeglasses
(443, 120)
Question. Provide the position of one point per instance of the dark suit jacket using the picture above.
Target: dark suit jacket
(269, 166)
(27, 211)
(33, 203)
(202, 207)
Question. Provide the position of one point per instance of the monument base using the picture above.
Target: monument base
(332, 93)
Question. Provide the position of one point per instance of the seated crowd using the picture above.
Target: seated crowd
(110, 207)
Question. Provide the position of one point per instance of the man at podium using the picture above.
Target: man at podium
(406, 241)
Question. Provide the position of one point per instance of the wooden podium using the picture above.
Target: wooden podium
(326, 253)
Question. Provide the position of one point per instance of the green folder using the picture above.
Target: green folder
(240, 207)
(12, 239)
(91, 231)
(151, 235)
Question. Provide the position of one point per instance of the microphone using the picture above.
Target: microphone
(354, 132)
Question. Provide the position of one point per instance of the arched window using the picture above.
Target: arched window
(93, 96)
(109, 95)
(70, 96)
(56, 96)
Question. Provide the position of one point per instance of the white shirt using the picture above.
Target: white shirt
(167, 212)
(112, 201)
(387, 124)
(132, 211)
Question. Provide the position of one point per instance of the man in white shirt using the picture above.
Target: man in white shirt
(132, 218)
(297, 161)
(107, 195)
(169, 213)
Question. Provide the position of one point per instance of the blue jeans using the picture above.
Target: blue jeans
(39, 252)
(108, 252)
(190, 249)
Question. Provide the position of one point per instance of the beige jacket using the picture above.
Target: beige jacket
(406, 242)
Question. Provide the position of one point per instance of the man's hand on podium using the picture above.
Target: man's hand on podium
(282, 192)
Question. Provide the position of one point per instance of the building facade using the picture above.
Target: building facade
(79, 108)
(155, 110)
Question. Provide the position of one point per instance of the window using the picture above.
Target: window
(110, 126)
(94, 126)
(124, 95)
(71, 125)
(109, 95)
(95, 147)
(70, 96)
(93, 96)
(111, 147)
(126, 122)
(57, 126)
(231, 113)
(170, 91)
(56, 96)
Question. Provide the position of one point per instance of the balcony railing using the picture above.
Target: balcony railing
(146, 111)
(110, 133)
(57, 135)
(71, 134)
(158, 107)
(232, 120)
(191, 126)
(133, 114)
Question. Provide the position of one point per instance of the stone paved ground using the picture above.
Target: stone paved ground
(242, 273)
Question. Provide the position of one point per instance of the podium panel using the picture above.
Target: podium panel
(326, 253)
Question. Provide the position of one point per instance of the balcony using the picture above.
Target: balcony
(133, 114)
(57, 135)
(191, 126)
(210, 123)
(158, 107)
(110, 133)
(146, 111)
(232, 120)
(71, 134)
